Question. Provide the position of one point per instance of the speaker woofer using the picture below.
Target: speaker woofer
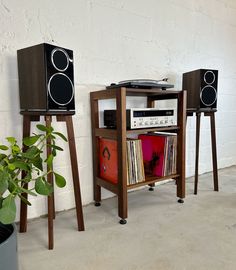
(208, 95)
(60, 59)
(61, 89)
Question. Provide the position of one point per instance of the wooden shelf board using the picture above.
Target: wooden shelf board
(106, 132)
(155, 91)
(151, 180)
(103, 94)
(107, 184)
(112, 133)
(50, 113)
(111, 93)
(167, 94)
(141, 130)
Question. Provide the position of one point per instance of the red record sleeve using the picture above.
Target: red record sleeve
(108, 159)
(153, 148)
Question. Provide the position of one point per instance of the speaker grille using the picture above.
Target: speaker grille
(60, 59)
(61, 89)
(208, 95)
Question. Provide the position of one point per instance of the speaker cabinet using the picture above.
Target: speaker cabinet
(46, 78)
(201, 86)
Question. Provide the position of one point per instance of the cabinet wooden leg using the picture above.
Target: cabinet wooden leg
(95, 142)
(96, 188)
(97, 195)
(151, 187)
(198, 122)
(75, 172)
(122, 206)
(23, 206)
(180, 165)
(214, 153)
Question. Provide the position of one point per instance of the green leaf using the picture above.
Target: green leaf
(21, 165)
(42, 127)
(8, 210)
(11, 140)
(52, 137)
(3, 147)
(60, 180)
(2, 156)
(49, 160)
(56, 147)
(16, 149)
(24, 199)
(43, 187)
(3, 182)
(11, 186)
(31, 153)
(51, 129)
(28, 141)
(54, 152)
(61, 135)
(38, 163)
(11, 166)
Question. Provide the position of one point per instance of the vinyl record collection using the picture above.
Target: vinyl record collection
(135, 168)
(152, 154)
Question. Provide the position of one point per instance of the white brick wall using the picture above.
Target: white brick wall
(117, 40)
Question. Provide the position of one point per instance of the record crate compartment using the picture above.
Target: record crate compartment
(120, 185)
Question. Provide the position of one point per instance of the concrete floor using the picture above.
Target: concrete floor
(160, 233)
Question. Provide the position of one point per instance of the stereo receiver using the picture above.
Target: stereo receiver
(143, 118)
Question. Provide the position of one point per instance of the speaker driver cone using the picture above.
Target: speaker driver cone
(61, 89)
(208, 95)
(209, 77)
(60, 59)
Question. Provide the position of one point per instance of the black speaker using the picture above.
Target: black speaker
(46, 78)
(201, 86)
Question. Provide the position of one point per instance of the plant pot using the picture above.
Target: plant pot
(8, 247)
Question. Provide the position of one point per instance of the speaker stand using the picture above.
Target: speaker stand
(211, 114)
(27, 119)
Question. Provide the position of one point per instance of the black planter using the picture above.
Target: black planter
(8, 247)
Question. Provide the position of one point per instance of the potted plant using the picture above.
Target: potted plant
(13, 162)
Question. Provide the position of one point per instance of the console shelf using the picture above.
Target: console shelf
(112, 133)
(120, 134)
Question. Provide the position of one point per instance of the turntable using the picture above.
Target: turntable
(142, 84)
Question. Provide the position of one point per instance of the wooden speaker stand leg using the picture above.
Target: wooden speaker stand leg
(23, 206)
(214, 153)
(75, 172)
(198, 122)
(51, 210)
